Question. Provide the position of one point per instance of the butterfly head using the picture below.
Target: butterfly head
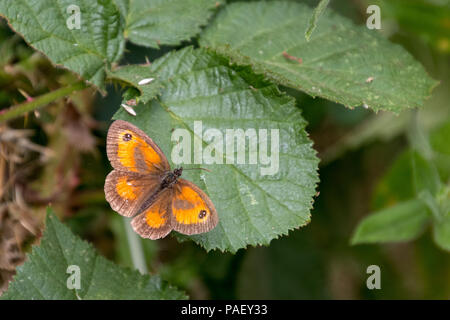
(178, 171)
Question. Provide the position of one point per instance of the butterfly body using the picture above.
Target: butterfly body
(171, 177)
(143, 186)
(168, 179)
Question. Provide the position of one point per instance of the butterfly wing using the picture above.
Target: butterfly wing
(154, 222)
(130, 149)
(192, 210)
(127, 191)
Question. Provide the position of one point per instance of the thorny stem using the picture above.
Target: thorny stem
(39, 102)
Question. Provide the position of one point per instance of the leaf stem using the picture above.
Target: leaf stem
(39, 102)
(135, 244)
(318, 11)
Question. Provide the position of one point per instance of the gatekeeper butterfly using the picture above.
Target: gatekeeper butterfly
(143, 186)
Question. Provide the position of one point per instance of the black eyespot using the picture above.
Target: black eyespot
(127, 137)
(202, 214)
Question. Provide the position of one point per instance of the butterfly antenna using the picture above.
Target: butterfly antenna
(197, 169)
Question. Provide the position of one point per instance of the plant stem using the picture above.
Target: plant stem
(137, 254)
(39, 102)
(417, 138)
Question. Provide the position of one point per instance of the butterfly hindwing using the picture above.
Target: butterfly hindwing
(127, 191)
(155, 221)
(192, 210)
(130, 149)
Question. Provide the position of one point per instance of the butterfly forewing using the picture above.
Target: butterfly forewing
(127, 191)
(130, 149)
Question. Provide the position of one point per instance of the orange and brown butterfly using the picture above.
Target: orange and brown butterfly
(143, 186)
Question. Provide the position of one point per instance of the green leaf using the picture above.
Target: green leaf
(133, 75)
(431, 203)
(153, 23)
(441, 233)
(318, 11)
(402, 222)
(44, 274)
(344, 63)
(409, 176)
(425, 175)
(200, 85)
(87, 51)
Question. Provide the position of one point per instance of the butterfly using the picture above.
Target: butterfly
(143, 186)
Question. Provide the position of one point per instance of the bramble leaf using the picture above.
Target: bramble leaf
(153, 23)
(45, 273)
(343, 62)
(200, 85)
(87, 37)
(51, 27)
